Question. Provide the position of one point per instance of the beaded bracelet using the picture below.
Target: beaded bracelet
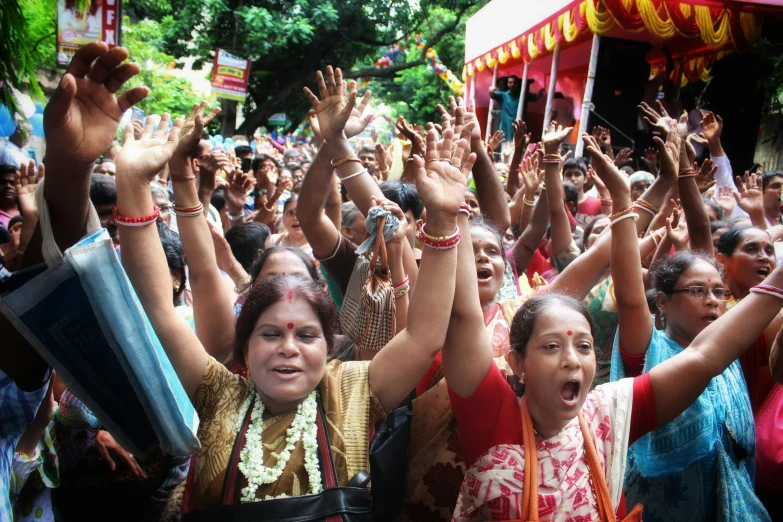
(767, 289)
(646, 204)
(620, 213)
(350, 157)
(136, 221)
(439, 245)
(363, 171)
(626, 216)
(438, 239)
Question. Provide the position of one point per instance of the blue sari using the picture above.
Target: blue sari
(700, 466)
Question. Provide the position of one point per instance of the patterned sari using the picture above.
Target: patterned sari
(700, 466)
(349, 406)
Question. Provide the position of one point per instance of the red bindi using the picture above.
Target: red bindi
(763, 243)
(569, 332)
(290, 326)
(709, 280)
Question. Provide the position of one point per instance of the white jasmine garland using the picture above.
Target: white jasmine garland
(303, 428)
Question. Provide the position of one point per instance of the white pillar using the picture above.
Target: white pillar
(587, 102)
(472, 100)
(491, 104)
(550, 97)
(523, 92)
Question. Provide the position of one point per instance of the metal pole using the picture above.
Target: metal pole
(491, 104)
(587, 102)
(523, 93)
(550, 97)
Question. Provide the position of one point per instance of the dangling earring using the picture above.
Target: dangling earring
(663, 319)
(522, 378)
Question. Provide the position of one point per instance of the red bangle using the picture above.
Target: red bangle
(465, 208)
(440, 245)
(189, 211)
(767, 289)
(402, 283)
(135, 221)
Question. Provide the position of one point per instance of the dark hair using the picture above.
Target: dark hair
(7, 168)
(366, 150)
(719, 214)
(767, 177)
(14, 220)
(405, 195)
(241, 150)
(525, 319)
(258, 160)
(573, 163)
(247, 239)
(731, 238)
(275, 289)
(103, 190)
(293, 166)
(218, 199)
(492, 228)
(665, 272)
(571, 195)
(294, 197)
(717, 225)
(175, 255)
(258, 264)
(591, 224)
(198, 148)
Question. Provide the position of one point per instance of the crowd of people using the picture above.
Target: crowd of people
(570, 338)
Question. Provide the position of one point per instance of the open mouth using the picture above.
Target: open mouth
(763, 272)
(570, 391)
(483, 274)
(296, 225)
(286, 370)
(710, 318)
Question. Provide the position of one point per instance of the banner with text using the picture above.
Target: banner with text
(230, 75)
(99, 23)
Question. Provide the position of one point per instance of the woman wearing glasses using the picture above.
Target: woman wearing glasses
(700, 466)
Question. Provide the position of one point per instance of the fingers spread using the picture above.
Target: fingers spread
(106, 63)
(120, 75)
(132, 97)
(82, 61)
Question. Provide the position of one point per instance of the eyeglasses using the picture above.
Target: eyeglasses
(701, 292)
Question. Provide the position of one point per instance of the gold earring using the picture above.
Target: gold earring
(522, 378)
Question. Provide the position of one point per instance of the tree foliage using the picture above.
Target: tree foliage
(287, 40)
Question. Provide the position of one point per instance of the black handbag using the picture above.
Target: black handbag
(389, 462)
(333, 504)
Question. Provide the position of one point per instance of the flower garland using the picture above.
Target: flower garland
(252, 455)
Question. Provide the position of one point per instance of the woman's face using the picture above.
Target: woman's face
(598, 227)
(283, 263)
(751, 262)
(490, 265)
(472, 201)
(687, 315)
(508, 239)
(638, 188)
(286, 354)
(558, 368)
(290, 223)
(716, 236)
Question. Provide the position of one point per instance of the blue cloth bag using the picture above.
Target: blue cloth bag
(84, 318)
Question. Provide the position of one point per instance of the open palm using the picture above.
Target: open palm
(442, 177)
(145, 157)
(84, 112)
(333, 109)
(749, 198)
(605, 168)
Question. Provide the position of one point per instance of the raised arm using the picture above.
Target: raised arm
(634, 316)
(142, 253)
(521, 139)
(213, 301)
(655, 196)
(558, 217)
(321, 233)
(776, 358)
(489, 189)
(678, 381)
(528, 242)
(690, 197)
(440, 180)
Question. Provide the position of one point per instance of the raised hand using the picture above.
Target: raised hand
(532, 175)
(623, 157)
(84, 112)
(463, 116)
(650, 159)
(606, 170)
(705, 179)
(677, 230)
(239, 184)
(669, 153)
(554, 137)
(192, 127)
(521, 136)
(495, 140)
(750, 198)
(602, 137)
(381, 159)
(700, 140)
(660, 119)
(334, 108)
(725, 198)
(144, 158)
(711, 126)
(360, 116)
(25, 181)
(388, 205)
(441, 177)
(411, 133)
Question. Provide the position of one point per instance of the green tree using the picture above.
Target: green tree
(168, 93)
(287, 40)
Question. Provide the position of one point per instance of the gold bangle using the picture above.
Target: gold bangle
(553, 156)
(438, 239)
(350, 157)
(621, 213)
(647, 205)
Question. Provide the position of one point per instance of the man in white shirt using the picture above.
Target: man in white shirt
(12, 151)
